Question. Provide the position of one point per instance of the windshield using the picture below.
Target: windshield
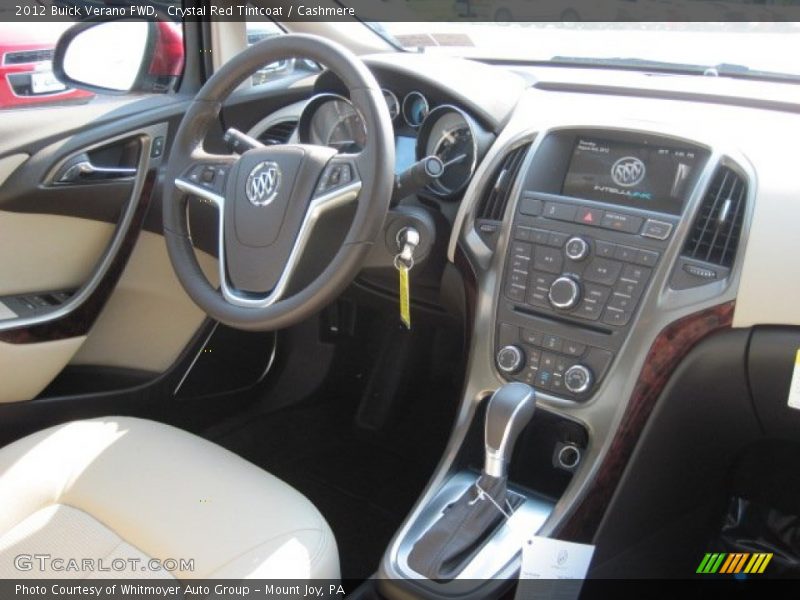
(761, 49)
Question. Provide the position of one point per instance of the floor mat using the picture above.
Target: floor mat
(363, 488)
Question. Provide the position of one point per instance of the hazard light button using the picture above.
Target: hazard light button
(589, 216)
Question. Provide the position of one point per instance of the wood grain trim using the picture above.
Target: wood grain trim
(666, 352)
(79, 321)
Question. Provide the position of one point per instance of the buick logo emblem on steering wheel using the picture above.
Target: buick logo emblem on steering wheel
(628, 171)
(262, 183)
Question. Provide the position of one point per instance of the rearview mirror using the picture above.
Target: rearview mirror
(119, 57)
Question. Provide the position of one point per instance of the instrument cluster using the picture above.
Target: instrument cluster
(445, 131)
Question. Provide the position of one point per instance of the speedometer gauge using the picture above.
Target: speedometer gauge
(448, 134)
(331, 120)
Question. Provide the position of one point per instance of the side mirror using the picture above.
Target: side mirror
(120, 57)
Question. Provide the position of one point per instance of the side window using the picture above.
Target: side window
(27, 80)
(258, 30)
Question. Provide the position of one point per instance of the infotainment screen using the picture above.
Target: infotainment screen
(651, 177)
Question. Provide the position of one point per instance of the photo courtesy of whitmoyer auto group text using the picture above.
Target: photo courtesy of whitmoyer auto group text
(399, 299)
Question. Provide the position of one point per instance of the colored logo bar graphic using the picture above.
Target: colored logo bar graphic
(735, 562)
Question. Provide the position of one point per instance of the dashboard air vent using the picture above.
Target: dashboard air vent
(715, 234)
(278, 133)
(494, 198)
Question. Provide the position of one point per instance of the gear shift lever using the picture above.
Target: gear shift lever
(510, 410)
(443, 551)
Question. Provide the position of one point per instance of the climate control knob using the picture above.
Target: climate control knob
(565, 293)
(576, 248)
(510, 359)
(578, 379)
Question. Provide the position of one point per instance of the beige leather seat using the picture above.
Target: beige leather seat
(124, 488)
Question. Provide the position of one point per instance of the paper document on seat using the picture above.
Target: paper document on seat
(552, 569)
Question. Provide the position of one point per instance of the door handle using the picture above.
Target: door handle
(85, 169)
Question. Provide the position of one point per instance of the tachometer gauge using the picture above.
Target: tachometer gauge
(392, 103)
(331, 120)
(448, 133)
(415, 109)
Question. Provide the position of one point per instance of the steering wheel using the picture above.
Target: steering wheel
(270, 198)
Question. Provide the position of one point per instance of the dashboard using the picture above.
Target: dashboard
(598, 211)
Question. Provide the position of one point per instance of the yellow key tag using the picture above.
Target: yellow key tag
(405, 305)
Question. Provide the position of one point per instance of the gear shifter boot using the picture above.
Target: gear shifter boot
(446, 548)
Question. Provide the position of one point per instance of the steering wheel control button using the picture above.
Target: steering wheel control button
(658, 230)
(577, 249)
(565, 293)
(578, 379)
(334, 176)
(510, 359)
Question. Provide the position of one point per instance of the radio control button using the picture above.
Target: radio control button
(636, 273)
(589, 309)
(602, 271)
(598, 293)
(520, 249)
(658, 230)
(615, 316)
(565, 293)
(547, 259)
(577, 249)
(523, 234)
(626, 253)
(604, 249)
(622, 302)
(647, 258)
(541, 236)
(629, 288)
(557, 239)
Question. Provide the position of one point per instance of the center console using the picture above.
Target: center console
(585, 265)
(596, 213)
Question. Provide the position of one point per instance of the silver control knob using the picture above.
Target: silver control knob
(576, 248)
(578, 379)
(510, 359)
(565, 293)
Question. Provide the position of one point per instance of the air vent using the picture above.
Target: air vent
(493, 202)
(278, 133)
(495, 198)
(715, 234)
